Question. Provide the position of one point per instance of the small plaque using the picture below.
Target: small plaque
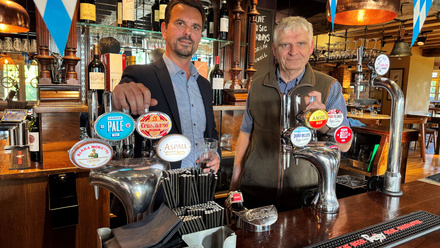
(90, 153)
(114, 126)
(173, 147)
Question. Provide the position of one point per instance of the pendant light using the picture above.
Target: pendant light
(13, 17)
(364, 12)
(401, 48)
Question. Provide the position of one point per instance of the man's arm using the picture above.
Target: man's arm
(240, 150)
(130, 94)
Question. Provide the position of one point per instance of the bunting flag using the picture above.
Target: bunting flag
(58, 15)
(421, 9)
(333, 4)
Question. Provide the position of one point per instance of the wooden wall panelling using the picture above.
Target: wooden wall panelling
(25, 216)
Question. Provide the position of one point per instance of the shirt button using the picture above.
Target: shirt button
(192, 105)
(194, 124)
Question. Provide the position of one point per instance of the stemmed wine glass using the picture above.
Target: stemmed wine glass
(373, 51)
(354, 52)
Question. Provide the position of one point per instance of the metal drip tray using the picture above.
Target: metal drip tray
(351, 181)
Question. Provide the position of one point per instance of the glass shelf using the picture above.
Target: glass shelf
(134, 32)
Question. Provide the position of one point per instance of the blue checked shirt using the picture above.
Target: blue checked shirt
(335, 100)
(190, 105)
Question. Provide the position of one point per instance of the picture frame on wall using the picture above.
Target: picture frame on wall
(396, 75)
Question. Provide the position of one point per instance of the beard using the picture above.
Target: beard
(186, 51)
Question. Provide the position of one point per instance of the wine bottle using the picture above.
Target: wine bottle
(162, 6)
(217, 83)
(155, 21)
(96, 74)
(87, 11)
(128, 13)
(34, 137)
(224, 21)
(211, 23)
(119, 14)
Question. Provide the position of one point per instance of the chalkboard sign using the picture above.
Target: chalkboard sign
(263, 48)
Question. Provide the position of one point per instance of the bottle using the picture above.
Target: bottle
(87, 11)
(155, 21)
(162, 6)
(224, 22)
(119, 14)
(96, 74)
(211, 23)
(128, 13)
(217, 83)
(34, 137)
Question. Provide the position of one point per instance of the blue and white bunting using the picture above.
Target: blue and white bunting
(58, 15)
(421, 9)
(333, 4)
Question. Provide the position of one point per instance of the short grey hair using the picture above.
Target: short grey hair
(293, 23)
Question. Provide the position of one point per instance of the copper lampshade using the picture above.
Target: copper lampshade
(364, 12)
(13, 17)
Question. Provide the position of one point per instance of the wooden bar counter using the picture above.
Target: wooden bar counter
(304, 227)
(25, 218)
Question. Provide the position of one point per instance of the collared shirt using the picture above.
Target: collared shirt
(335, 100)
(190, 106)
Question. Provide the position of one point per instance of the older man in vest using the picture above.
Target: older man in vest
(258, 146)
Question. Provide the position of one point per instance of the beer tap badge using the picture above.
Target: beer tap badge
(343, 134)
(153, 125)
(335, 118)
(316, 118)
(173, 147)
(114, 126)
(301, 136)
(90, 153)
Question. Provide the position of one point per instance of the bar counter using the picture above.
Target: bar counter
(304, 227)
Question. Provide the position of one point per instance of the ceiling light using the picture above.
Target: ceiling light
(364, 12)
(421, 41)
(13, 17)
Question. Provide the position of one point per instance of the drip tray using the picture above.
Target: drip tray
(390, 233)
(435, 177)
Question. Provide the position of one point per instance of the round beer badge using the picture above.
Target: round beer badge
(173, 147)
(153, 125)
(343, 135)
(90, 153)
(114, 126)
(300, 136)
(335, 118)
(316, 118)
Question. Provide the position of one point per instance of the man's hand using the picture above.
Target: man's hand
(316, 104)
(133, 96)
(213, 164)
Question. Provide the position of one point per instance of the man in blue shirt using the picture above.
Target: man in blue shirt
(172, 84)
(256, 165)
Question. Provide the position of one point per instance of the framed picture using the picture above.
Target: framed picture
(396, 75)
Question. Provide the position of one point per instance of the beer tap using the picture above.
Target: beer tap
(359, 74)
(392, 177)
(322, 155)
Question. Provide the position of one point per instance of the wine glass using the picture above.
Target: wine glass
(374, 50)
(354, 52)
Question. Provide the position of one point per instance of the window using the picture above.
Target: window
(434, 90)
(18, 76)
